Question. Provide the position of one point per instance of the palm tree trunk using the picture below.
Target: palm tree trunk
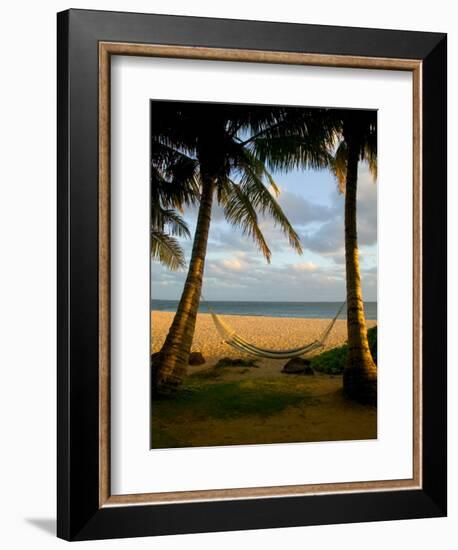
(170, 365)
(360, 374)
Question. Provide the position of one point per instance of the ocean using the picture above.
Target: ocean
(305, 310)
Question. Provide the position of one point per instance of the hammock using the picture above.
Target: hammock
(231, 338)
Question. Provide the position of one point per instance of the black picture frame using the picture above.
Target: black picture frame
(79, 515)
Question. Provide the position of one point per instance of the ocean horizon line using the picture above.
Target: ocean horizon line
(271, 308)
(266, 301)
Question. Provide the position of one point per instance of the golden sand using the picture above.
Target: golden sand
(265, 332)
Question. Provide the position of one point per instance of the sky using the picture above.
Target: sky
(235, 270)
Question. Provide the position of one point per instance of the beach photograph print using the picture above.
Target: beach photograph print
(263, 274)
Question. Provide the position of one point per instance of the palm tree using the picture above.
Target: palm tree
(346, 138)
(218, 141)
(359, 132)
(171, 188)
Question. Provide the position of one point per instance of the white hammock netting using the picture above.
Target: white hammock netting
(230, 337)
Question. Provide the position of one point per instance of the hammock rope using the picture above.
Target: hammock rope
(230, 337)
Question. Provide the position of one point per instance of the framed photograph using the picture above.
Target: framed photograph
(252, 275)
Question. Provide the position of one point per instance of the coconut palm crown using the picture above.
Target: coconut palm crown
(212, 150)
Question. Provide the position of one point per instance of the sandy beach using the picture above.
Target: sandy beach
(265, 332)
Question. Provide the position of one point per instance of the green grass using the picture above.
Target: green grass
(163, 440)
(207, 396)
(333, 361)
(199, 401)
(207, 374)
(237, 362)
(216, 373)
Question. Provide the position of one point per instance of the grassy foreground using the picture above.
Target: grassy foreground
(231, 404)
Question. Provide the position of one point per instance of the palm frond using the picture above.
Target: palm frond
(290, 153)
(265, 203)
(166, 250)
(173, 221)
(239, 211)
(223, 190)
(174, 176)
(370, 156)
(247, 159)
(338, 166)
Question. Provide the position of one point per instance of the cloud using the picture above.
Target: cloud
(304, 266)
(300, 211)
(236, 270)
(239, 262)
(228, 239)
(297, 209)
(233, 265)
(367, 210)
(328, 238)
(244, 277)
(320, 228)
